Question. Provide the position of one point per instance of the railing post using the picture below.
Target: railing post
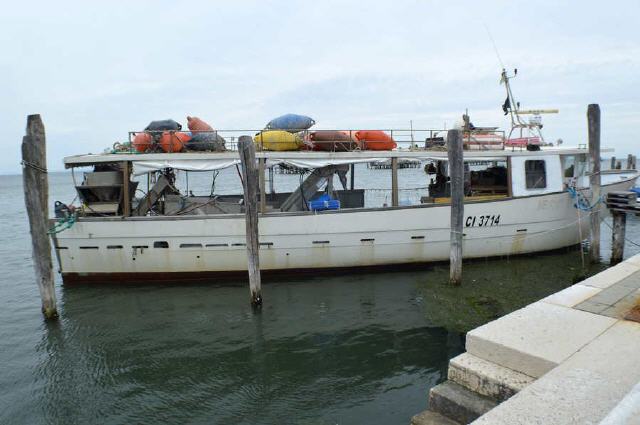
(352, 176)
(36, 199)
(261, 184)
(247, 151)
(394, 182)
(126, 197)
(593, 119)
(456, 177)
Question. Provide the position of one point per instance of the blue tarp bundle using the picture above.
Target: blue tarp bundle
(291, 122)
(324, 202)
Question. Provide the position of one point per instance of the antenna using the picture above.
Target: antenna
(494, 45)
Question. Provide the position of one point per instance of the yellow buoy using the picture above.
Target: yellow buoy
(278, 140)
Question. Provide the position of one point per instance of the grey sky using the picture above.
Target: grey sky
(96, 70)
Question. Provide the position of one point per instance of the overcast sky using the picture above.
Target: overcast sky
(96, 70)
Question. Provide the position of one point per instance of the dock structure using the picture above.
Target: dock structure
(569, 358)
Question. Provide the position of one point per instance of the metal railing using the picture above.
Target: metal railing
(406, 139)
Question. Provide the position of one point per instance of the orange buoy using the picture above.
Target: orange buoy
(375, 140)
(142, 142)
(173, 141)
(196, 124)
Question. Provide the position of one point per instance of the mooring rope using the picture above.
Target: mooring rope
(34, 166)
(582, 203)
(625, 238)
(62, 224)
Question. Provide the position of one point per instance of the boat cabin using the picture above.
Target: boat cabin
(127, 184)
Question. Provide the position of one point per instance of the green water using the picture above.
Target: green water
(353, 349)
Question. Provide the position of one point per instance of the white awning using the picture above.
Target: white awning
(318, 163)
(143, 167)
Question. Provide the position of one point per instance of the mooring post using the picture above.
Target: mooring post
(629, 162)
(613, 163)
(593, 119)
(247, 151)
(618, 236)
(36, 199)
(456, 178)
(394, 182)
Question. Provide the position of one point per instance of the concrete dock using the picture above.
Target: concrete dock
(570, 358)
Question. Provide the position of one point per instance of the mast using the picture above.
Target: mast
(513, 108)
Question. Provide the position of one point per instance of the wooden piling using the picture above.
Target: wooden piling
(618, 236)
(394, 182)
(593, 119)
(629, 162)
(456, 178)
(36, 198)
(613, 163)
(247, 151)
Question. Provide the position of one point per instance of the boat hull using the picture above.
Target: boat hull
(211, 248)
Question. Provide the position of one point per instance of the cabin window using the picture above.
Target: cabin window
(161, 244)
(581, 165)
(481, 178)
(535, 174)
(568, 165)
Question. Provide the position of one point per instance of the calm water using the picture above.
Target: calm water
(356, 349)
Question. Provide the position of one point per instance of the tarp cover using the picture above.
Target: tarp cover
(318, 163)
(143, 167)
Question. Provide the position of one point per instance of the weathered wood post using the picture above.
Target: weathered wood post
(613, 163)
(618, 236)
(394, 182)
(247, 151)
(456, 178)
(593, 119)
(629, 162)
(36, 199)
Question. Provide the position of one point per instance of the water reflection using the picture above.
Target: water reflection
(330, 350)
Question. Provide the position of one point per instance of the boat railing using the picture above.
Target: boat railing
(406, 139)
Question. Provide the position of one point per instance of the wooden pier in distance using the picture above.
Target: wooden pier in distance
(620, 204)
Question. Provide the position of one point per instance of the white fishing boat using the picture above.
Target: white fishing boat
(519, 198)
(518, 202)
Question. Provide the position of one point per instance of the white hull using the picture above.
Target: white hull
(108, 249)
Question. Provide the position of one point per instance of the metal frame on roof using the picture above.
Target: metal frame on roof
(356, 156)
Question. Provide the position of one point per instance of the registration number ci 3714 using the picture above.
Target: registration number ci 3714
(482, 220)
